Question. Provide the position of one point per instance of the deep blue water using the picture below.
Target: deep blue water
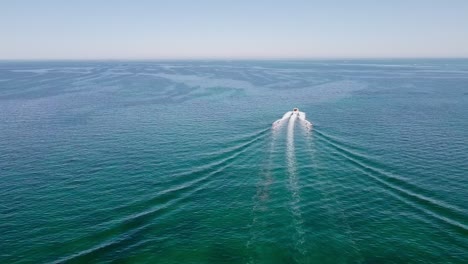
(177, 162)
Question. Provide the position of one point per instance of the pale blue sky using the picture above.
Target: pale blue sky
(204, 29)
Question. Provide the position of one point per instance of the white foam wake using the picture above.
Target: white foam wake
(299, 115)
(304, 121)
(294, 186)
(280, 122)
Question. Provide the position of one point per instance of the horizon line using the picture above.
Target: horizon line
(233, 59)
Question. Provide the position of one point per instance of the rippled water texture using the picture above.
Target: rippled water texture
(177, 162)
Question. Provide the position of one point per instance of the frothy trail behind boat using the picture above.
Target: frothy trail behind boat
(297, 114)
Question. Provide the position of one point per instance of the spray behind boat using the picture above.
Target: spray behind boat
(297, 114)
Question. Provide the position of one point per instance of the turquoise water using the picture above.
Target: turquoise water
(176, 162)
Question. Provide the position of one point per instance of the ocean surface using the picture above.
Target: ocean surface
(177, 162)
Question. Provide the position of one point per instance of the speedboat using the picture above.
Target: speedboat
(301, 116)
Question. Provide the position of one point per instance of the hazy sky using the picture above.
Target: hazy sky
(139, 29)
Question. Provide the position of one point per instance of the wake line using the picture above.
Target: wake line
(390, 175)
(180, 178)
(166, 200)
(256, 135)
(405, 195)
(223, 163)
(230, 152)
(261, 197)
(348, 231)
(338, 141)
(239, 144)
